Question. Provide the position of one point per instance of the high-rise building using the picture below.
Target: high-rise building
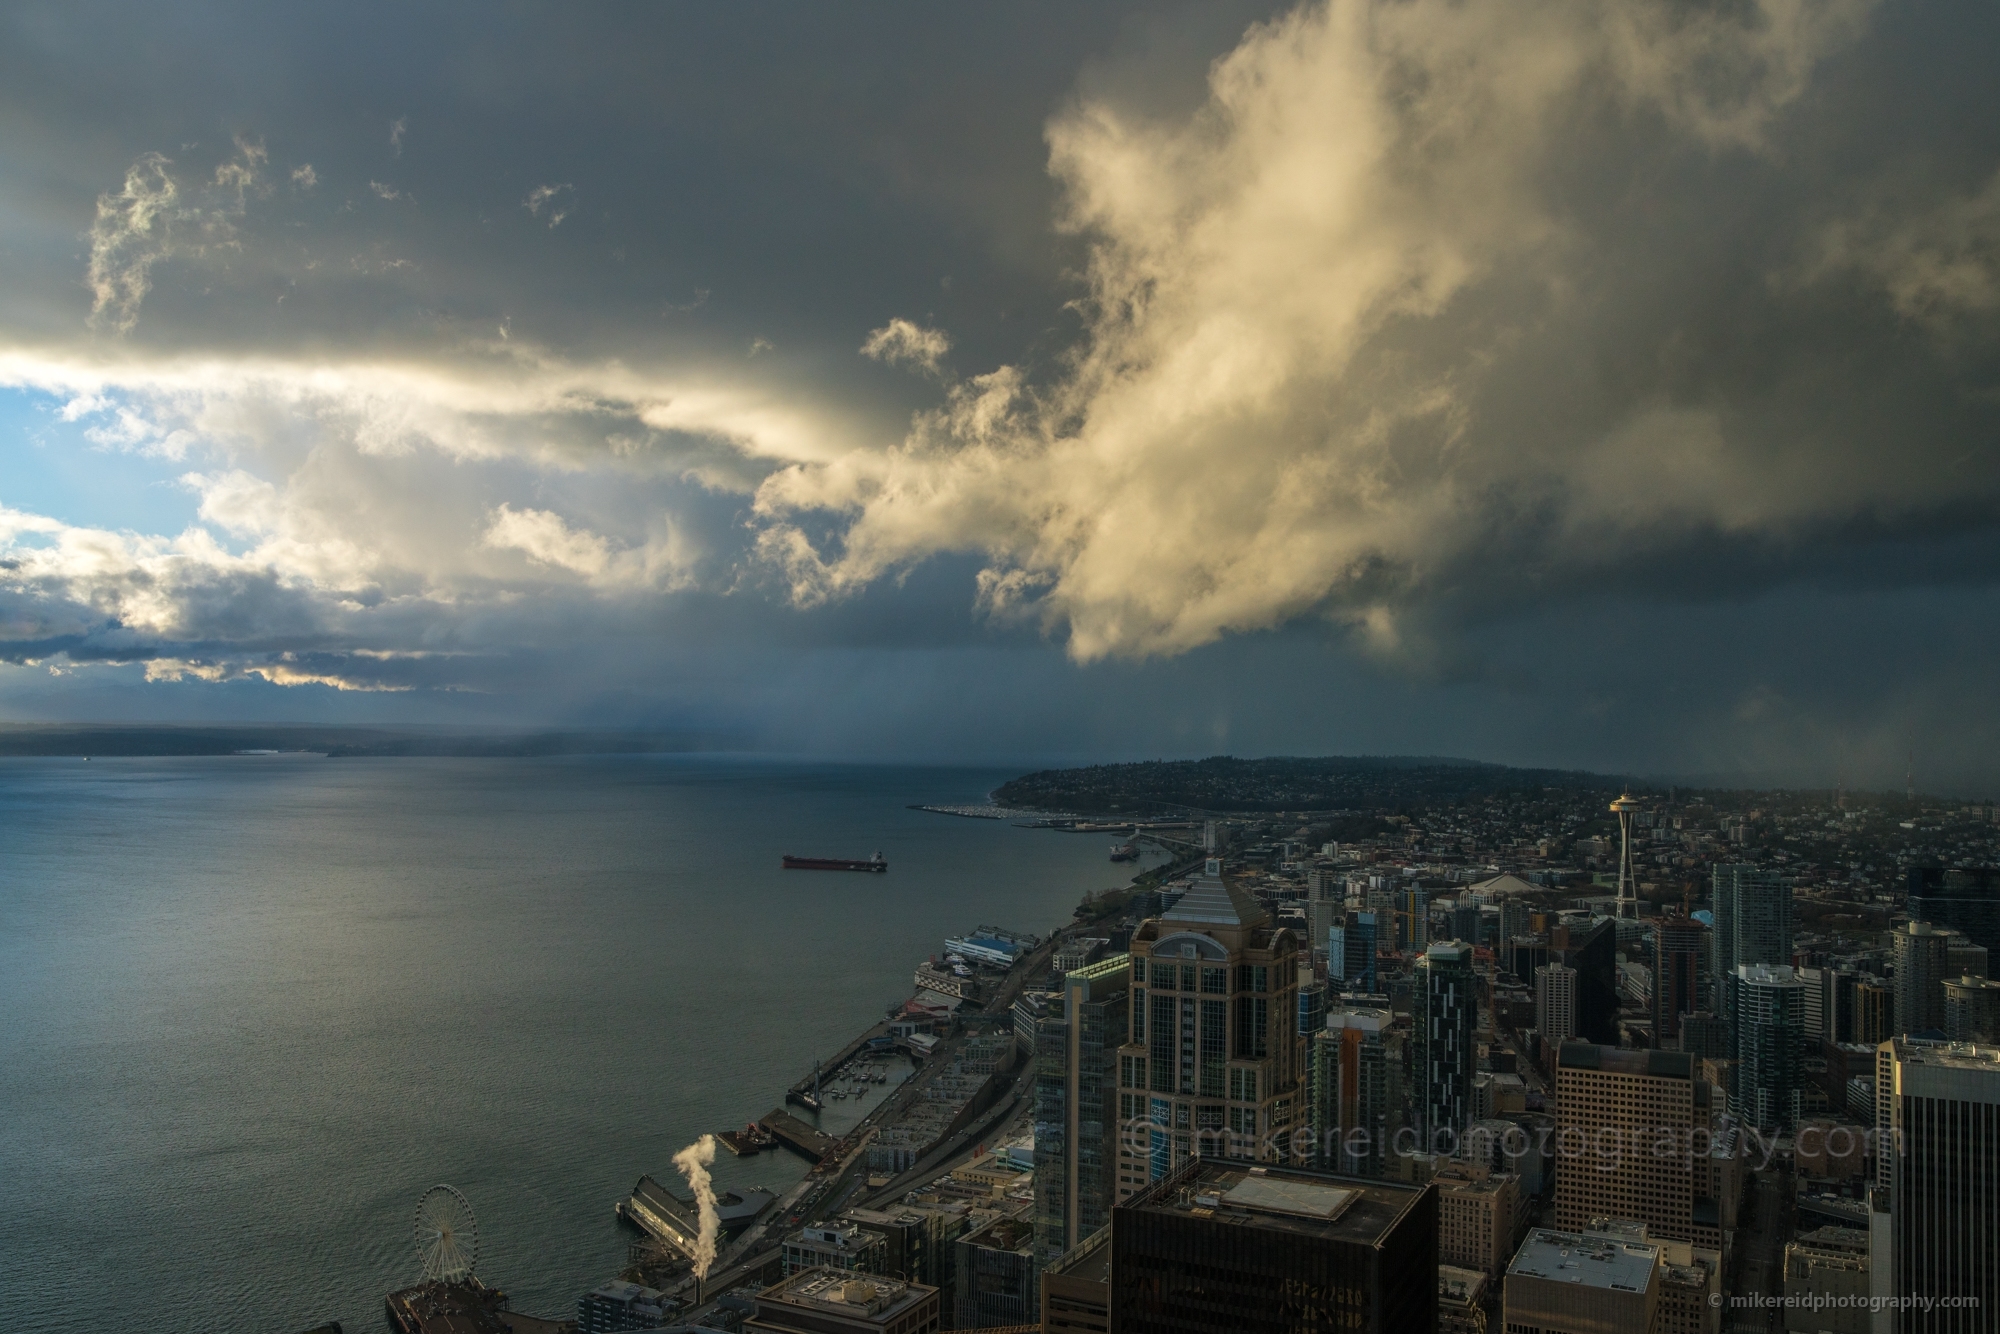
(996, 1276)
(1582, 1283)
(1350, 954)
(1634, 1130)
(1826, 1279)
(1874, 1011)
(1972, 1010)
(1350, 1091)
(1413, 919)
(1943, 1106)
(1678, 945)
(1963, 900)
(1753, 924)
(1628, 880)
(1922, 954)
(1445, 1016)
(1476, 1212)
(1213, 1062)
(1770, 1045)
(1326, 904)
(1593, 951)
(1311, 1009)
(1228, 1248)
(1076, 1105)
(834, 1246)
(1555, 1003)
(1076, 1288)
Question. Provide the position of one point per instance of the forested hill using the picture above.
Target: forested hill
(1223, 783)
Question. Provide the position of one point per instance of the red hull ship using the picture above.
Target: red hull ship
(874, 863)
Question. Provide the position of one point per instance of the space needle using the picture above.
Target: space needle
(1628, 885)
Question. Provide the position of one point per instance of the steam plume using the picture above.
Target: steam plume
(693, 1163)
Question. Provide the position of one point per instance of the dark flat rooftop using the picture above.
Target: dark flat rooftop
(1314, 1204)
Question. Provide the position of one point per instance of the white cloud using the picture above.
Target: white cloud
(154, 218)
(397, 128)
(545, 537)
(305, 177)
(383, 191)
(546, 197)
(1301, 297)
(904, 342)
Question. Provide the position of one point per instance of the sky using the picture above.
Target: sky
(1599, 383)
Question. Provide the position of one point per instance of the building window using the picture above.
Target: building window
(1215, 981)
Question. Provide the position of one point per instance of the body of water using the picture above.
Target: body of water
(251, 1007)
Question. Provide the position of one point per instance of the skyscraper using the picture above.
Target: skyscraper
(1942, 1102)
(1593, 951)
(1678, 944)
(1212, 1050)
(1227, 1248)
(1770, 1045)
(1445, 1018)
(1350, 955)
(1076, 1106)
(1350, 1090)
(1628, 882)
(1922, 954)
(1632, 1141)
(1972, 1010)
(1413, 919)
(1555, 1003)
(1753, 924)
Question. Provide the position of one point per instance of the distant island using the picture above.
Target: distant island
(145, 739)
(1332, 783)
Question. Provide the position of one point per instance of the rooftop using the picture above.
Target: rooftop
(1319, 1204)
(1613, 1060)
(1598, 1259)
(838, 1291)
(1213, 901)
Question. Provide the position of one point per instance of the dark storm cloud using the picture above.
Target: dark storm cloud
(567, 358)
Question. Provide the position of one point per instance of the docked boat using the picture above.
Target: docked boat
(875, 863)
(1124, 852)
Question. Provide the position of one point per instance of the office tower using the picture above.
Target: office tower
(1311, 1009)
(1413, 920)
(1225, 1248)
(1476, 1210)
(917, 1241)
(1632, 1141)
(1628, 882)
(1350, 954)
(1555, 1003)
(1753, 924)
(1076, 1105)
(1678, 945)
(1943, 1105)
(1965, 901)
(1972, 1010)
(1212, 1050)
(1513, 923)
(1465, 917)
(1350, 1090)
(1582, 1283)
(832, 1301)
(1593, 951)
(1705, 1036)
(1444, 1018)
(1770, 1045)
(1836, 1005)
(1874, 1011)
(1326, 903)
(1967, 959)
(1922, 954)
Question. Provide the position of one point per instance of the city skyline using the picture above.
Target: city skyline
(575, 370)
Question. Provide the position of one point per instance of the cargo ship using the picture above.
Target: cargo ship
(875, 863)
(1124, 852)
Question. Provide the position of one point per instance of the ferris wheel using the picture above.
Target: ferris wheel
(447, 1235)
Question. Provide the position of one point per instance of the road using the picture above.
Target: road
(1759, 1266)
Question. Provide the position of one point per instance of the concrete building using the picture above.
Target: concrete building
(1076, 1288)
(1770, 1045)
(617, 1306)
(1445, 1016)
(1235, 1249)
(996, 1276)
(1690, 1279)
(1655, 1113)
(1461, 1300)
(1581, 1283)
(1076, 1105)
(1942, 1106)
(843, 1246)
(1477, 1209)
(917, 1241)
(834, 1301)
(1923, 959)
(1555, 1003)
(1678, 946)
(1826, 1282)
(1972, 1010)
(1213, 1049)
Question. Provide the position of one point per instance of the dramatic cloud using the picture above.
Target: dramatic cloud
(902, 342)
(1321, 308)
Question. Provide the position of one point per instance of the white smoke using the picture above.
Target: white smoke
(693, 1163)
